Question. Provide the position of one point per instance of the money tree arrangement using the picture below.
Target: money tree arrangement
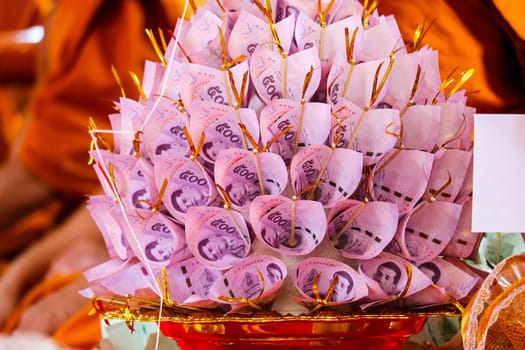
(288, 156)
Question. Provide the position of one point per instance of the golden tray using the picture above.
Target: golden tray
(265, 330)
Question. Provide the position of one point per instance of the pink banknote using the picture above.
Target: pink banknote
(423, 233)
(328, 280)
(130, 118)
(250, 284)
(465, 192)
(339, 9)
(108, 216)
(273, 219)
(355, 83)
(188, 184)
(250, 31)
(430, 79)
(245, 175)
(236, 6)
(401, 178)
(203, 83)
(201, 41)
(164, 130)
(365, 131)
(117, 278)
(217, 237)
(464, 242)
(339, 169)
(406, 86)
(390, 277)
(449, 169)
(275, 76)
(220, 125)
(155, 239)
(381, 38)
(456, 125)
(450, 284)
(361, 230)
(421, 127)
(152, 78)
(126, 178)
(329, 39)
(190, 282)
(172, 78)
(142, 190)
(309, 124)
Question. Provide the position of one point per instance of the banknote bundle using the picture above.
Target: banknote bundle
(288, 155)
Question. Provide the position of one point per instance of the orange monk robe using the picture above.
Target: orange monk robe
(83, 39)
(18, 51)
(17, 63)
(485, 35)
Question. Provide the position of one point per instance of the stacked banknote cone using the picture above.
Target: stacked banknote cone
(288, 156)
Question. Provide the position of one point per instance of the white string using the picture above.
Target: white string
(115, 132)
(123, 210)
(113, 187)
(157, 101)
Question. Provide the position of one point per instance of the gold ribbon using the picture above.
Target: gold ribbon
(322, 301)
(246, 301)
(251, 302)
(138, 84)
(156, 46)
(458, 133)
(451, 299)
(118, 80)
(322, 21)
(455, 81)
(96, 137)
(292, 242)
(339, 131)
(306, 82)
(136, 143)
(155, 208)
(195, 150)
(257, 149)
(239, 98)
(267, 11)
(396, 151)
(376, 90)
(415, 85)
(226, 65)
(434, 195)
(368, 9)
(335, 239)
(350, 44)
(420, 33)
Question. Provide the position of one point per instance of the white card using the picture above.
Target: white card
(499, 173)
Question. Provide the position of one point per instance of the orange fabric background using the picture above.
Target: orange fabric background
(473, 34)
(83, 40)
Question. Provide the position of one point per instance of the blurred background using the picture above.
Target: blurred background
(21, 33)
